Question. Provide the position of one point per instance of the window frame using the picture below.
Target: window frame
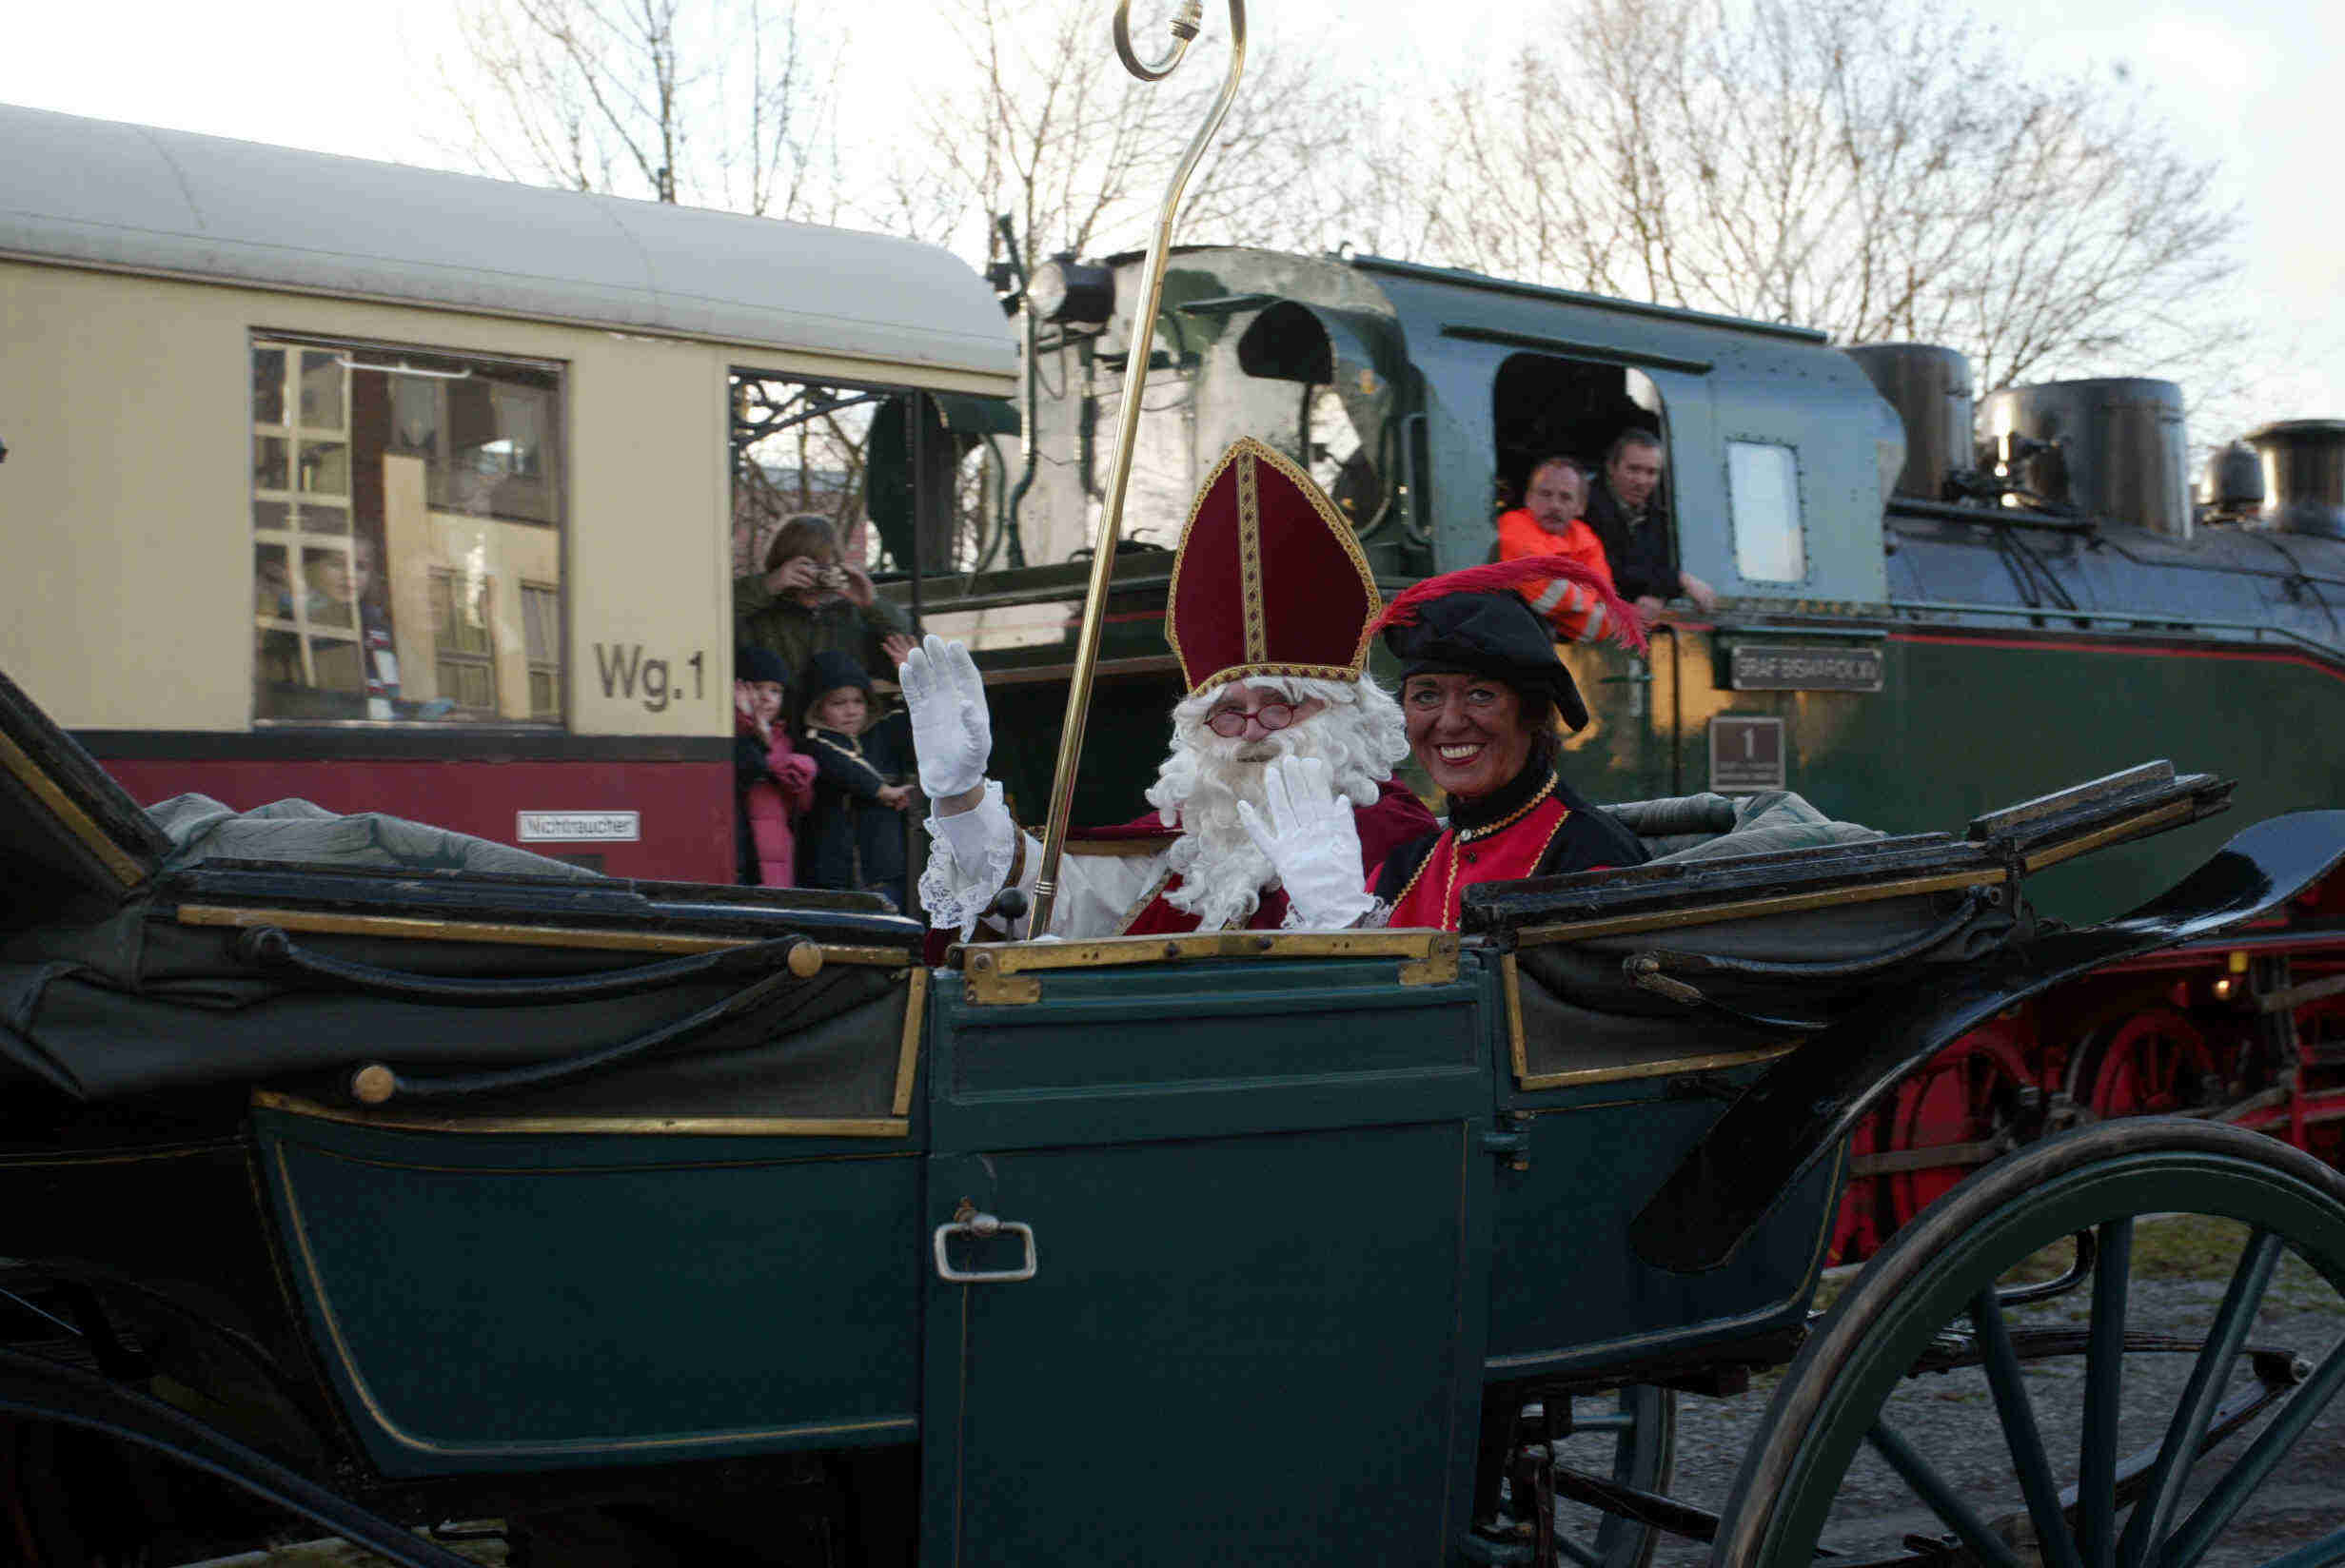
(552, 480)
(1744, 528)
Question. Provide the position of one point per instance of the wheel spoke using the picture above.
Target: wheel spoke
(2104, 1363)
(1932, 1489)
(2155, 1512)
(1576, 1552)
(2019, 1432)
(2325, 1553)
(2262, 1456)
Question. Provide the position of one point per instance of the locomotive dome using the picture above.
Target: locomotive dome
(168, 203)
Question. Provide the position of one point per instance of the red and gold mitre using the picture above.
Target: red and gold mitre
(1270, 580)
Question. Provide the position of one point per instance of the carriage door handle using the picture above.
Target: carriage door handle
(969, 1223)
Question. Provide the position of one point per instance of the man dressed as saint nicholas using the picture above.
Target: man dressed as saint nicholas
(1269, 617)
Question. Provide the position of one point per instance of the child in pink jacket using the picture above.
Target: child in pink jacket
(771, 783)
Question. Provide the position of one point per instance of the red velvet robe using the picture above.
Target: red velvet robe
(1536, 826)
(1437, 895)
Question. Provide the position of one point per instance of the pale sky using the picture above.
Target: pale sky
(2257, 83)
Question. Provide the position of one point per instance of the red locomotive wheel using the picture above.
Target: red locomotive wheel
(2153, 1064)
(2321, 1032)
(1963, 1104)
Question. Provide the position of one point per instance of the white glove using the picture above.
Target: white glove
(1308, 834)
(952, 734)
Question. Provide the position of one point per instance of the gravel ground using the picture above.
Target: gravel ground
(1950, 1417)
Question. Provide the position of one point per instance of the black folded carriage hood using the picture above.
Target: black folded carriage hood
(73, 845)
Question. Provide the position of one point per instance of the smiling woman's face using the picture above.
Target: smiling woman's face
(1467, 731)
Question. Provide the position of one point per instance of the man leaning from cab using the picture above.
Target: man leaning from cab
(1631, 516)
(1269, 617)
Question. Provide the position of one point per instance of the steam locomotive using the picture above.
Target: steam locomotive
(1929, 602)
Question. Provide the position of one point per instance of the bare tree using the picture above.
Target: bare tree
(1883, 170)
(1046, 126)
(696, 101)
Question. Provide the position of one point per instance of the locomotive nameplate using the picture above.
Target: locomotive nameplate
(1776, 668)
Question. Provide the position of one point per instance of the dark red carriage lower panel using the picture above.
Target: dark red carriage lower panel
(683, 811)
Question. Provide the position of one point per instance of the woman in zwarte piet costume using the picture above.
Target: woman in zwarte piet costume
(1269, 615)
(1481, 689)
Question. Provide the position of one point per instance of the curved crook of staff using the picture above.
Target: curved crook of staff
(1185, 27)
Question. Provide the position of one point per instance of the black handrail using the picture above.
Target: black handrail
(270, 947)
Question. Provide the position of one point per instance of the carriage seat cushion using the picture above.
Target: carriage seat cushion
(1705, 827)
(297, 831)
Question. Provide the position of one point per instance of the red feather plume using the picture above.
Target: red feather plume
(1620, 616)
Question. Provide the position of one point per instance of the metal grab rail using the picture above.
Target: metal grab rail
(270, 947)
(1648, 969)
(378, 1083)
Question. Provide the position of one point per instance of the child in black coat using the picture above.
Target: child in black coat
(853, 839)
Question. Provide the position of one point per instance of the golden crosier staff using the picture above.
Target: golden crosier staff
(1184, 27)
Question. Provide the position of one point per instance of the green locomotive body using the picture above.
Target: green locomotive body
(1899, 658)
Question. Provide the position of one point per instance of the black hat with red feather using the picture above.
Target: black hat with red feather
(1476, 622)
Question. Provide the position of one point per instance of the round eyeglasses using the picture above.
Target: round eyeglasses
(1230, 723)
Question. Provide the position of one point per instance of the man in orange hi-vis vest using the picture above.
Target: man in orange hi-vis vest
(1548, 523)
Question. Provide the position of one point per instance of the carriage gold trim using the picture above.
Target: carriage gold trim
(391, 1429)
(1000, 973)
(506, 933)
(1510, 985)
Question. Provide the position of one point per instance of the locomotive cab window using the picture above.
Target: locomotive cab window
(1609, 421)
(406, 521)
(1763, 498)
(1335, 418)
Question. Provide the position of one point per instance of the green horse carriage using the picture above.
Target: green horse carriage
(666, 1224)
(354, 1172)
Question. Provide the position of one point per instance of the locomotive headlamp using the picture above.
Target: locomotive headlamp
(1072, 293)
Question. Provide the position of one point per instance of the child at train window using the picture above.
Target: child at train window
(853, 839)
(772, 781)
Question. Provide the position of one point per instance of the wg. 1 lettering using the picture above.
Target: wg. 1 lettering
(625, 673)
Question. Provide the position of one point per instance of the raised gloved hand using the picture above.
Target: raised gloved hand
(1306, 833)
(952, 734)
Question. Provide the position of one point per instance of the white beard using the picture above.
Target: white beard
(1359, 735)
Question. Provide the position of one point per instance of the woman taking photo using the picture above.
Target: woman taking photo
(1481, 689)
(808, 602)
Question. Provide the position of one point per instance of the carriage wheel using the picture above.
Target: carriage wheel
(68, 1500)
(2153, 1064)
(1633, 1440)
(1623, 1440)
(1935, 1421)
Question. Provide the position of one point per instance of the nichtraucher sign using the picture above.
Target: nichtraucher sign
(578, 827)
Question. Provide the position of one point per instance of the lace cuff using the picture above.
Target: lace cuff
(1374, 917)
(970, 854)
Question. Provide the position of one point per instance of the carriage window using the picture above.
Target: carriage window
(406, 523)
(1762, 496)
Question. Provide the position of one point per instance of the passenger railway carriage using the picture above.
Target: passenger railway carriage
(338, 479)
